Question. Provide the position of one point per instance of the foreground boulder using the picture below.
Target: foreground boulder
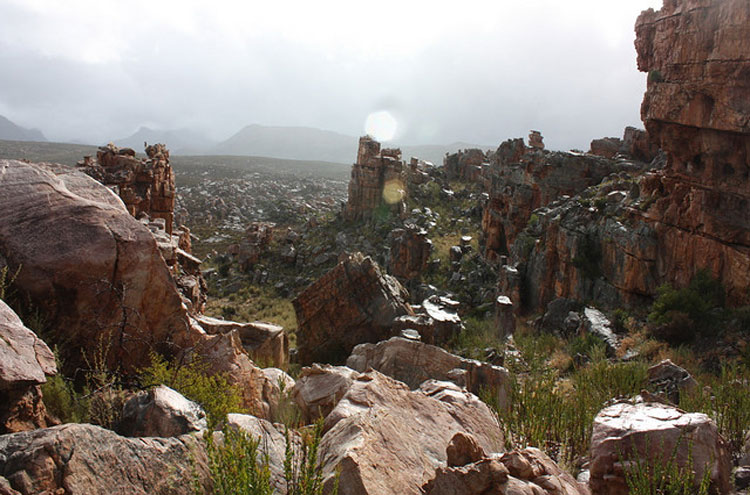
(319, 388)
(521, 472)
(93, 270)
(88, 460)
(385, 438)
(652, 433)
(161, 412)
(353, 303)
(25, 363)
(414, 362)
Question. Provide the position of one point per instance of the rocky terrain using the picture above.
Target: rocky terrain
(517, 321)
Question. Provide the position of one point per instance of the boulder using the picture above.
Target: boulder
(414, 362)
(160, 412)
(606, 147)
(446, 323)
(25, 363)
(353, 303)
(670, 379)
(520, 472)
(596, 323)
(384, 438)
(82, 459)
(266, 343)
(92, 270)
(653, 433)
(320, 387)
(410, 252)
(277, 392)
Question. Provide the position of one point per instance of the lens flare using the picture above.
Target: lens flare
(393, 191)
(381, 125)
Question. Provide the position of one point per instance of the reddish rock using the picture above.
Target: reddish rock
(378, 180)
(654, 432)
(320, 387)
(639, 145)
(536, 140)
(410, 252)
(353, 303)
(606, 147)
(257, 237)
(160, 412)
(25, 363)
(468, 165)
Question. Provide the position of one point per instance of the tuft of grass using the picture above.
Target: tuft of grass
(477, 335)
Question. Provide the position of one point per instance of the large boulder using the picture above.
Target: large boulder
(160, 412)
(93, 270)
(384, 438)
(414, 362)
(410, 252)
(25, 363)
(320, 387)
(654, 433)
(88, 460)
(353, 303)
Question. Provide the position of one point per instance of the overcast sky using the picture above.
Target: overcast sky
(476, 71)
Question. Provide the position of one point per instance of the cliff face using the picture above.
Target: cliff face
(619, 241)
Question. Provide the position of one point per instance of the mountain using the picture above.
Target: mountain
(178, 141)
(13, 132)
(308, 143)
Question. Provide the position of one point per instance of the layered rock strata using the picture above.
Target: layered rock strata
(409, 254)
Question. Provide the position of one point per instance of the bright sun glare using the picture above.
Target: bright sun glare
(381, 125)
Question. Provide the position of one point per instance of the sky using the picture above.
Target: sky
(477, 71)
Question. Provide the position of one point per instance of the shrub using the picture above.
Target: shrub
(193, 380)
(233, 465)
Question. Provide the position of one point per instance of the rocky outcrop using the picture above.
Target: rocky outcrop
(536, 140)
(520, 472)
(468, 165)
(257, 237)
(635, 144)
(523, 179)
(93, 270)
(160, 412)
(385, 438)
(144, 185)
(378, 181)
(606, 147)
(89, 460)
(414, 363)
(266, 343)
(25, 363)
(353, 303)
(654, 433)
(320, 387)
(409, 254)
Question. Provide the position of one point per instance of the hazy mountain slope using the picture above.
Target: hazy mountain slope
(13, 132)
(178, 141)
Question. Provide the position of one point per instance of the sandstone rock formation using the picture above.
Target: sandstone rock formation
(523, 179)
(520, 472)
(635, 143)
(378, 181)
(25, 363)
(89, 460)
(654, 432)
(92, 269)
(160, 412)
(353, 303)
(266, 343)
(386, 439)
(414, 363)
(145, 186)
(410, 252)
(536, 140)
(257, 237)
(320, 387)
(606, 147)
(468, 165)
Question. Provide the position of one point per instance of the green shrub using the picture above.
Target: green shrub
(586, 345)
(233, 465)
(193, 380)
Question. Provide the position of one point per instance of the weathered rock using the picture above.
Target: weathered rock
(257, 237)
(89, 460)
(145, 186)
(505, 318)
(353, 303)
(277, 392)
(386, 439)
(596, 323)
(320, 387)
(160, 412)
(463, 449)
(266, 343)
(92, 269)
(410, 252)
(638, 144)
(25, 363)
(536, 140)
(606, 147)
(670, 380)
(467, 165)
(414, 363)
(520, 472)
(653, 432)
(378, 179)
(445, 323)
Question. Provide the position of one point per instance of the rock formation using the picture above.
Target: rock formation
(378, 181)
(25, 363)
(386, 439)
(635, 143)
(353, 303)
(160, 412)
(257, 237)
(468, 165)
(145, 186)
(654, 433)
(266, 343)
(320, 387)
(414, 363)
(84, 460)
(536, 140)
(410, 252)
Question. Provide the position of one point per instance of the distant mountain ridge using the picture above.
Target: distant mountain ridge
(13, 132)
(179, 141)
